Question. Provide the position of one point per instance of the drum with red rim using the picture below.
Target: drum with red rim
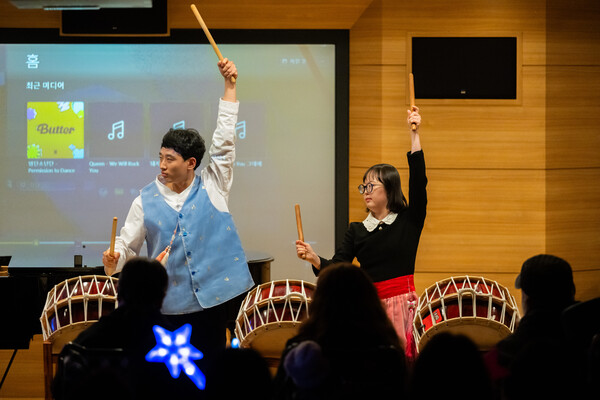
(74, 304)
(476, 307)
(271, 313)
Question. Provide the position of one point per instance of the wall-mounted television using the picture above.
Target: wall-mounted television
(465, 67)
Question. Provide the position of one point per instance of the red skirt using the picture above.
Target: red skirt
(400, 301)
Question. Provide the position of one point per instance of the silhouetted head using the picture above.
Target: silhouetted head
(547, 282)
(446, 360)
(143, 283)
(345, 307)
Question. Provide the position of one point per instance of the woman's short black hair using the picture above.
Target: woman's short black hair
(389, 176)
(187, 142)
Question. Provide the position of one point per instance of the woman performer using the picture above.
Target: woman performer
(385, 243)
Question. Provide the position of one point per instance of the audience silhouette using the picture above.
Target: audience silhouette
(347, 348)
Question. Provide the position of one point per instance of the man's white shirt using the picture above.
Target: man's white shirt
(217, 178)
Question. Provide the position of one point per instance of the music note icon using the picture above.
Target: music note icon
(240, 129)
(118, 130)
(179, 125)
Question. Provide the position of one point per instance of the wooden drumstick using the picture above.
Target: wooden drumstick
(207, 33)
(113, 237)
(411, 88)
(299, 226)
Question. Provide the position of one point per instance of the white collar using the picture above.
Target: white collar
(371, 222)
(167, 192)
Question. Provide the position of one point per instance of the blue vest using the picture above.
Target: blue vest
(207, 265)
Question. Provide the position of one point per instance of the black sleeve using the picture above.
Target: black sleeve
(417, 186)
(344, 253)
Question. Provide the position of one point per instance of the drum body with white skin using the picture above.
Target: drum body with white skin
(476, 307)
(271, 314)
(74, 304)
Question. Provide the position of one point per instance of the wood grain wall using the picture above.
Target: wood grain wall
(505, 181)
(233, 14)
(573, 139)
(485, 162)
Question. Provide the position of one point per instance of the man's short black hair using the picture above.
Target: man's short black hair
(187, 142)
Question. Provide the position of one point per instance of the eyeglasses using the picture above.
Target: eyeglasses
(368, 188)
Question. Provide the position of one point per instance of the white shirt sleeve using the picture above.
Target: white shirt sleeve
(217, 177)
(132, 235)
(218, 174)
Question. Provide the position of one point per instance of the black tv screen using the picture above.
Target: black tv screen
(465, 67)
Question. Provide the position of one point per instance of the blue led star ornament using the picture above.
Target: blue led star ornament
(175, 350)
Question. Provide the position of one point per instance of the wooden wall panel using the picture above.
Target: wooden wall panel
(366, 37)
(573, 216)
(269, 14)
(12, 17)
(470, 136)
(365, 114)
(482, 220)
(233, 14)
(573, 32)
(534, 47)
(378, 37)
(495, 136)
(573, 120)
(573, 139)
(397, 17)
(486, 163)
(587, 284)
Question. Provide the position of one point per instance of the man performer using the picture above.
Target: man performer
(187, 216)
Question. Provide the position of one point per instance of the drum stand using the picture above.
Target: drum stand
(50, 360)
(273, 364)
